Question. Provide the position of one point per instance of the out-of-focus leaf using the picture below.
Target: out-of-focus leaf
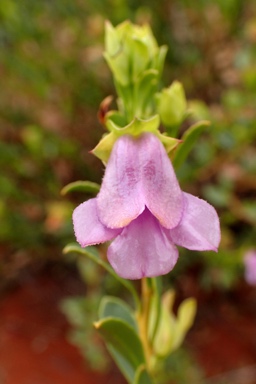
(134, 128)
(217, 195)
(84, 186)
(114, 307)
(96, 258)
(89, 271)
(75, 310)
(189, 138)
(124, 345)
(198, 110)
(142, 376)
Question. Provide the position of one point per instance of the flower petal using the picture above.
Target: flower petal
(250, 267)
(161, 189)
(199, 228)
(87, 226)
(138, 174)
(142, 249)
(120, 199)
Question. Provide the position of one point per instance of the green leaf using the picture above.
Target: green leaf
(188, 140)
(142, 376)
(95, 257)
(160, 58)
(114, 307)
(75, 310)
(124, 345)
(84, 186)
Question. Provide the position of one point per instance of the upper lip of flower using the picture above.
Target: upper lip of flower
(139, 174)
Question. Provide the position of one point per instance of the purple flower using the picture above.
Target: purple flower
(142, 207)
(250, 267)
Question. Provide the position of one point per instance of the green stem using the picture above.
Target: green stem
(157, 287)
(143, 318)
(106, 266)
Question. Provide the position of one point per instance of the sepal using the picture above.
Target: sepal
(188, 140)
(135, 128)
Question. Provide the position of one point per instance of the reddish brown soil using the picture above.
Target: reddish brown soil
(34, 349)
(223, 338)
(33, 344)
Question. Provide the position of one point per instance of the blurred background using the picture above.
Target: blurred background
(53, 78)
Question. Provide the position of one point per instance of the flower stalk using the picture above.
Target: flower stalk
(143, 318)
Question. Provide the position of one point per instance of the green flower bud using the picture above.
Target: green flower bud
(172, 105)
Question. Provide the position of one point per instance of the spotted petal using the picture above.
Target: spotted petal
(199, 228)
(138, 174)
(120, 199)
(142, 249)
(87, 226)
(161, 189)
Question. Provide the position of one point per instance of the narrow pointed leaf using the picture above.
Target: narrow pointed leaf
(189, 138)
(91, 254)
(123, 344)
(83, 186)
